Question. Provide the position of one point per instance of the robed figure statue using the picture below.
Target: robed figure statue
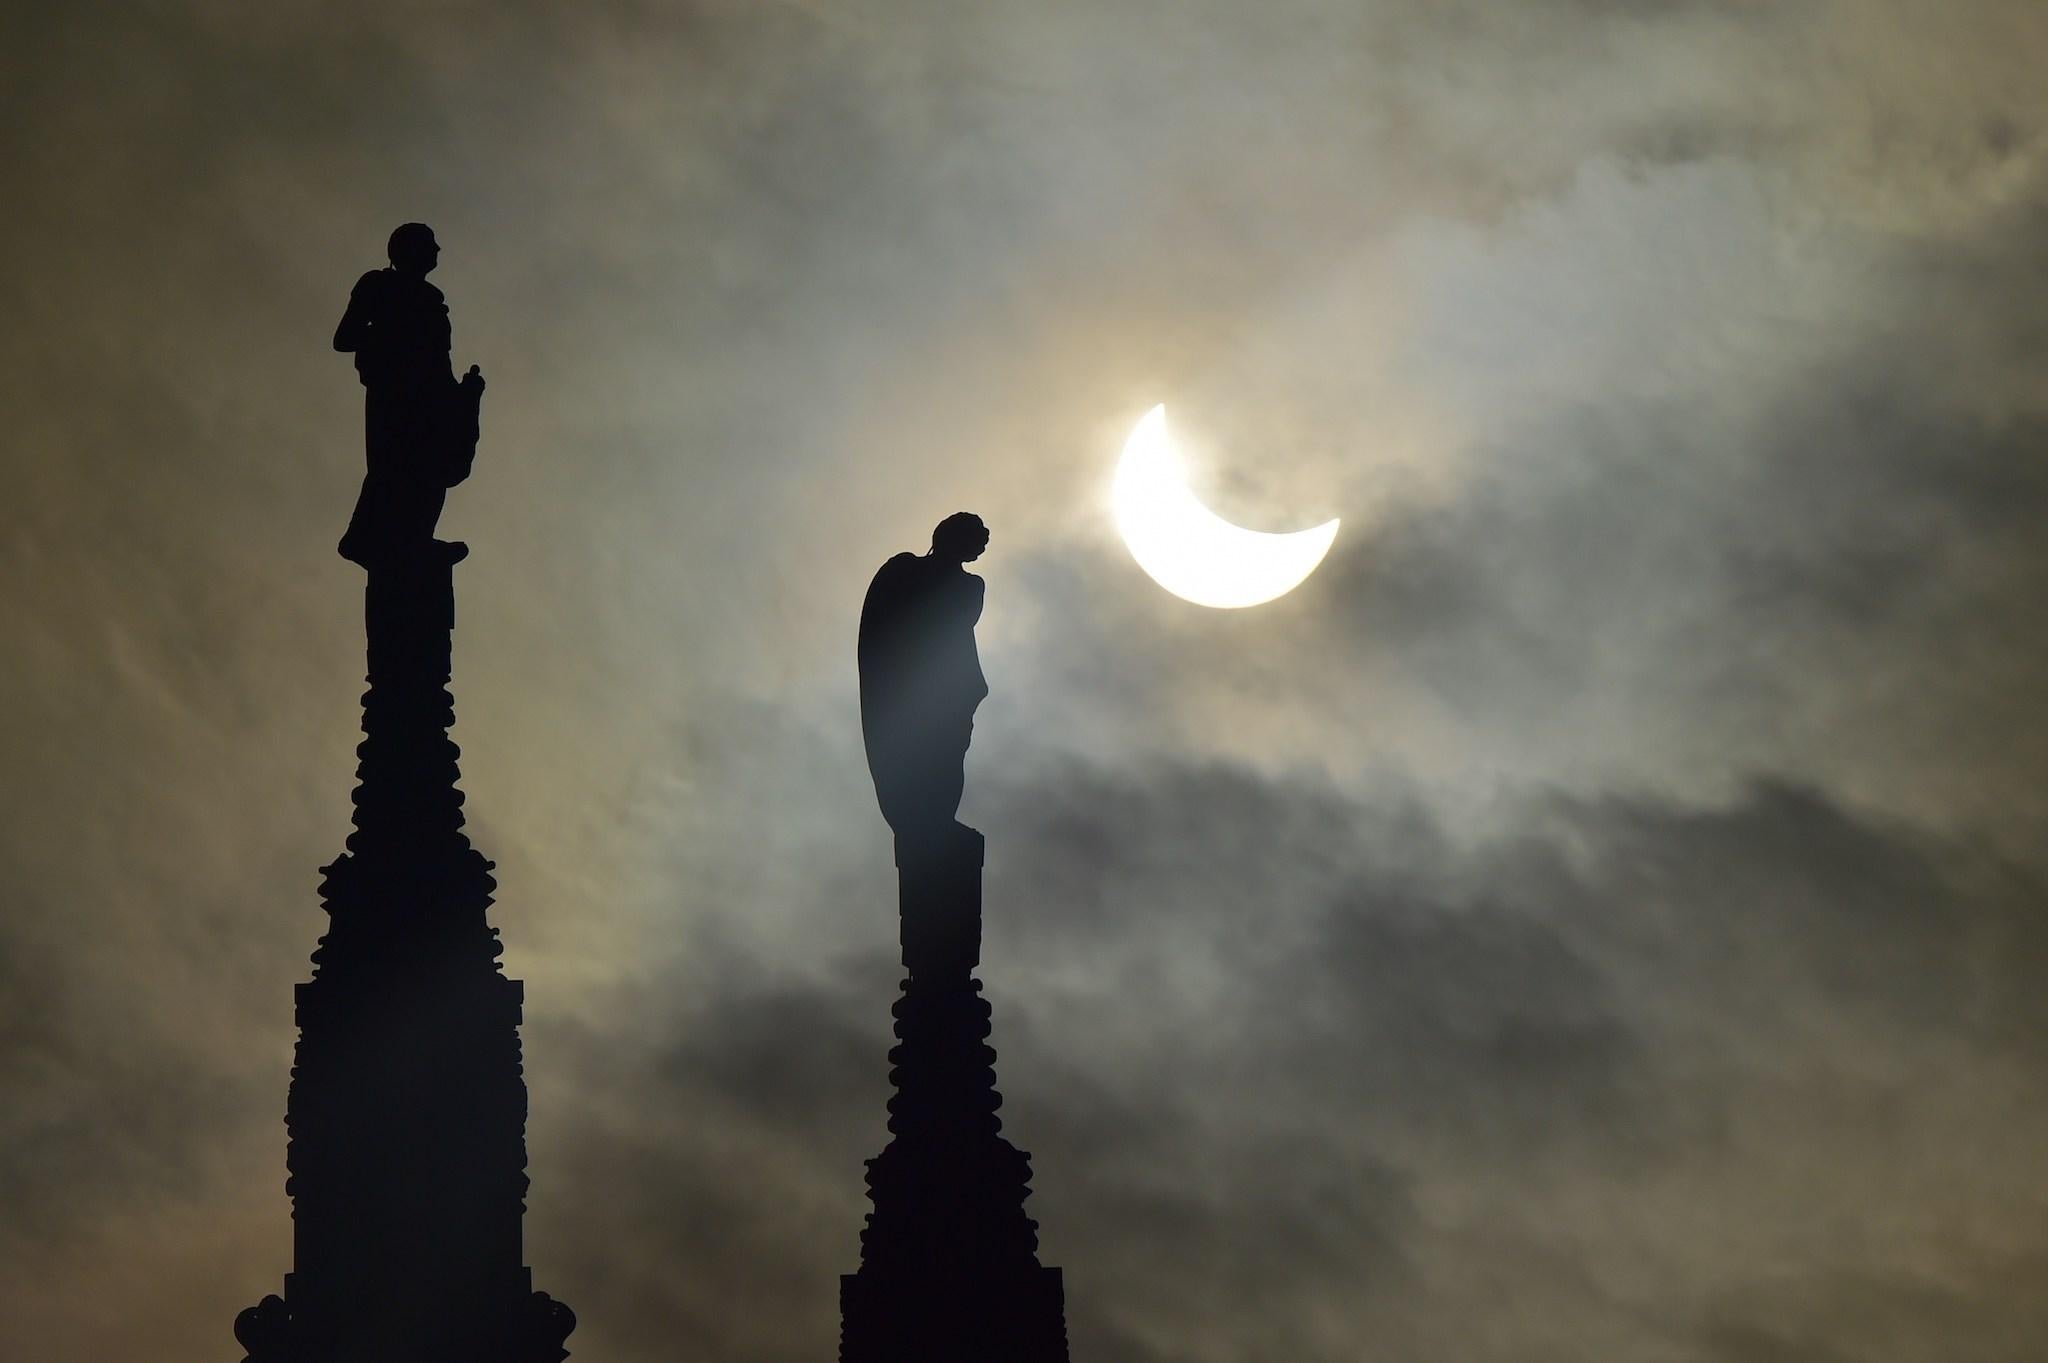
(949, 1269)
(420, 424)
(920, 676)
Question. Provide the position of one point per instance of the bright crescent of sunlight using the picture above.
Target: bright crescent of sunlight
(1190, 550)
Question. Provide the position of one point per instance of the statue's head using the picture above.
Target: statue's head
(960, 538)
(413, 249)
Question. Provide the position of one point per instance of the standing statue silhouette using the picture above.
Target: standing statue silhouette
(419, 423)
(920, 675)
(949, 1265)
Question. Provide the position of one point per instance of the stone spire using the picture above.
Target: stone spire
(407, 1110)
(949, 1268)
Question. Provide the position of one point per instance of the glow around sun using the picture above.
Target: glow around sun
(1189, 549)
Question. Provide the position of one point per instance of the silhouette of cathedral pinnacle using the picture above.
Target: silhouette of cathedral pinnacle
(949, 1268)
(407, 1110)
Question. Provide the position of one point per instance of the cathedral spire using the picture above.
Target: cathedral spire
(949, 1266)
(407, 1109)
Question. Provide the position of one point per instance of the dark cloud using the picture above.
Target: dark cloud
(1639, 1033)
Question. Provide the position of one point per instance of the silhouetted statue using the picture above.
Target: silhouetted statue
(920, 676)
(420, 424)
(949, 1267)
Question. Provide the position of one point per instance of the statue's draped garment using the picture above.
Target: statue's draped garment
(920, 681)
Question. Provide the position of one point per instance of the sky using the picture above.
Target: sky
(1599, 915)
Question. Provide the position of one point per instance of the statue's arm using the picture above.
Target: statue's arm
(355, 321)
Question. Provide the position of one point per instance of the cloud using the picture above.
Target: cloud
(1286, 1084)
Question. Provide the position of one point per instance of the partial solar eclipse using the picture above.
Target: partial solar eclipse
(1189, 549)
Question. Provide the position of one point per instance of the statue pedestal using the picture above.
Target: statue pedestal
(938, 900)
(949, 1261)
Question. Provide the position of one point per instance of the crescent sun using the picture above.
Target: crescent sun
(1189, 549)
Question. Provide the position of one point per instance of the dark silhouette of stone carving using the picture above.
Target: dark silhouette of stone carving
(920, 676)
(419, 422)
(949, 1268)
(407, 1112)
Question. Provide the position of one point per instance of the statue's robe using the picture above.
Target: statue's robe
(419, 424)
(920, 681)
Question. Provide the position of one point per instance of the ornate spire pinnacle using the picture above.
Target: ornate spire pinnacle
(407, 1111)
(949, 1261)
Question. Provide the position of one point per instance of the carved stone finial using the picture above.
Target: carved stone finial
(265, 1331)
